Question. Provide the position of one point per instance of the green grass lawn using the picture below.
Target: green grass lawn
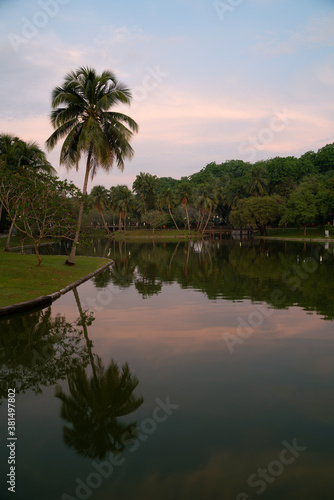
(22, 280)
(311, 232)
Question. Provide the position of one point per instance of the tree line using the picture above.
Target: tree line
(277, 191)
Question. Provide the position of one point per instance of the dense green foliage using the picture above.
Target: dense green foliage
(278, 191)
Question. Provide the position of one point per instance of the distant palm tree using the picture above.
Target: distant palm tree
(210, 198)
(233, 192)
(81, 115)
(185, 194)
(99, 197)
(140, 187)
(258, 183)
(16, 154)
(145, 185)
(169, 197)
(123, 202)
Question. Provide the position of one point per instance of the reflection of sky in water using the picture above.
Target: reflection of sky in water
(235, 409)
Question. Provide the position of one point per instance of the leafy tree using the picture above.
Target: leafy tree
(324, 159)
(257, 212)
(305, 204)
(167, 183)
(154, 218)
(83, 118)
(43, 207)
(18, 156)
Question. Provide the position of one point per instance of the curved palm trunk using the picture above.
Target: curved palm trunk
(207, 220)
(71, 258)
(84, 327)
(170, 213)
(200, 217)
(201, 221)
(104, 222)
(172, 257)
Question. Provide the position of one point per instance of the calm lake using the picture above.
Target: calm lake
(191, 370)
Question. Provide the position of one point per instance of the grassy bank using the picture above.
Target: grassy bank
(311, 232)
(21, 280)
(143, 234)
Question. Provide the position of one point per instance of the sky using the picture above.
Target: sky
(212, 80)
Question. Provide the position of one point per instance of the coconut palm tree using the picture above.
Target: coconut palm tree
(16, 154)
(139, 186)
(83, 118)
(145, 185)
(209, 200)
(99, 197)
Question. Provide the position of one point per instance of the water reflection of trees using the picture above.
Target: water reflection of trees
(37, 349)
(96, 403)
(229, 270)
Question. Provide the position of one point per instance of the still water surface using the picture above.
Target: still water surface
(189, 371)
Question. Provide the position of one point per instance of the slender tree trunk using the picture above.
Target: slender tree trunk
(7, 248)
(84, 327)
(304, 230)
(104, 222)
(207, 220)
(201, 221)
(113, 222)
(172, 257)
(71, 259)
(120, 222)
(187, 260)
(200, 217)
(170, 213)
(1, 206)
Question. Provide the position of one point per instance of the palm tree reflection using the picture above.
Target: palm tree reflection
(96, 403)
